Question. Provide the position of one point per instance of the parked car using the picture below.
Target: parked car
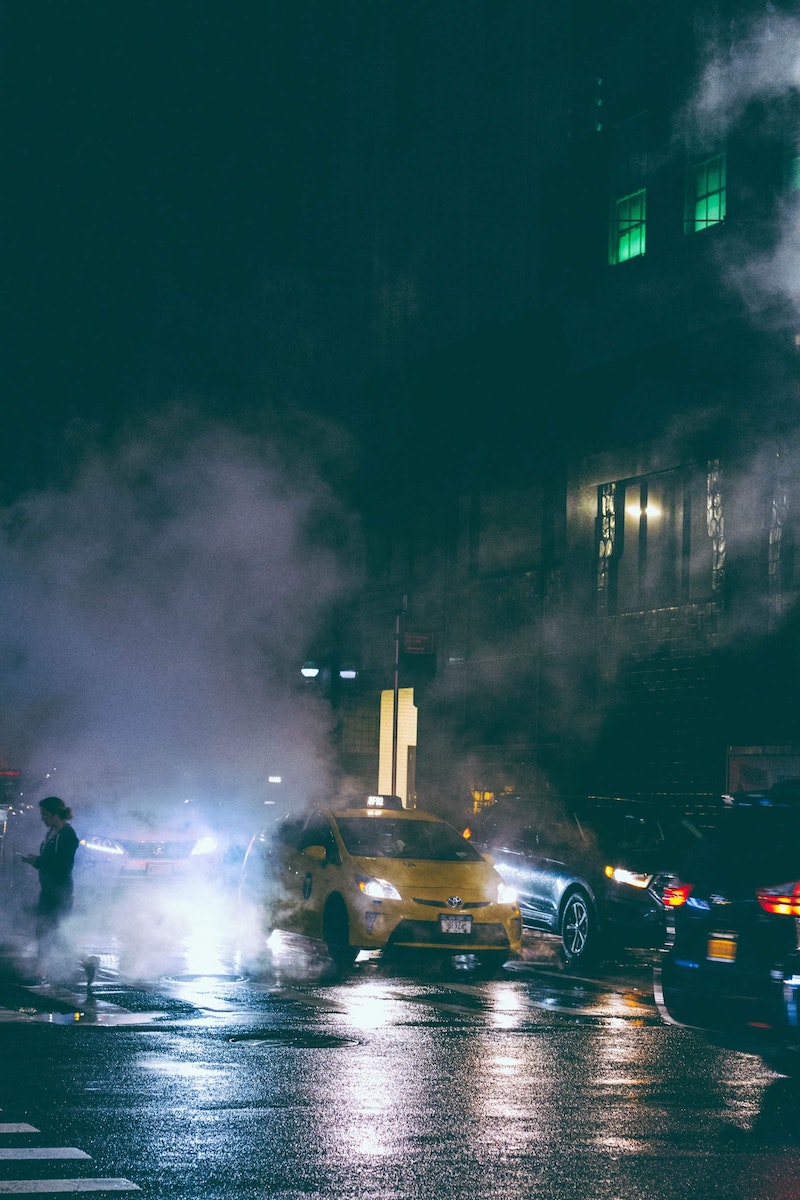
(732, 970)
(590, 871)
(379, 877)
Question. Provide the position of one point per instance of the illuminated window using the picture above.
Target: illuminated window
(628, 227)
(653, 545)
(651, 552)
(707, 194)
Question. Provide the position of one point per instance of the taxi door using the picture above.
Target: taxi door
(311, 879)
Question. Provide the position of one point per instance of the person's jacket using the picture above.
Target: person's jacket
(54, 864)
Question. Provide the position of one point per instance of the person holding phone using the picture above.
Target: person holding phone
(54, 862)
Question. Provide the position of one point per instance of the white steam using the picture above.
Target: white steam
(156, 614)
(762, 66)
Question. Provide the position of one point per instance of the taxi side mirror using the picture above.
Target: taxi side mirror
(318, 853)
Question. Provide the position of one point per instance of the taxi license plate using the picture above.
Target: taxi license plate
(721, 948)
(448, 924)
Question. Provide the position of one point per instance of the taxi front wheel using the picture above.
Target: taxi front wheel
(336, 933)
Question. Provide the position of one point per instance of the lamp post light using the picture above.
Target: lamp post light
(329, 675)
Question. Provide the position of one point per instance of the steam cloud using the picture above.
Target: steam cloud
(157, 611)
(763, 65)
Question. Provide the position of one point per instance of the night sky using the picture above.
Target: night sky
(166, 171)
(263, 205)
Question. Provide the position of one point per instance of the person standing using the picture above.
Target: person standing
(54, 862)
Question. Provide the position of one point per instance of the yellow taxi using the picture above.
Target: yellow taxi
(381, 877)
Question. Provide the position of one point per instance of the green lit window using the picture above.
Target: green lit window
(707, 200)
(628, 226)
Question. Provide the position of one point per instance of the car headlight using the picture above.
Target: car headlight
(206, 845)
(506, 894)
(635, 879)
(101, 845)
(377, 889)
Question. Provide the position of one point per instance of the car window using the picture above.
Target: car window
(289, 831)
(760, 845)
(318, 832)
(625, 830)
(511, 821)
(371, 837)
(543, 827)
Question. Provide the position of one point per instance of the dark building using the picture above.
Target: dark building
(604, 551)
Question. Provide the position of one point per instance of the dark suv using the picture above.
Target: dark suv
(733, 965)
(591, 871)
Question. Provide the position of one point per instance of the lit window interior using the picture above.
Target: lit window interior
(628, 227)
(710, 191)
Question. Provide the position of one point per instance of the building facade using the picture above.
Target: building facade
(604, 551)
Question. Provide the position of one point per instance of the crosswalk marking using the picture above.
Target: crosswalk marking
(42, 1152)
(50, 1187)
(44, 1187)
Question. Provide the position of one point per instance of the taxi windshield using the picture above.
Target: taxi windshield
(382, 837)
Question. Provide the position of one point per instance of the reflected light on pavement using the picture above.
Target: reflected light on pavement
(370, 1006)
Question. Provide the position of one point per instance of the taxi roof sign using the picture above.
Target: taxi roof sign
(378, 801)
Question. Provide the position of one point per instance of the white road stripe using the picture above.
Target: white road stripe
(45, 1187)
(18, 1127)
(42, 1152)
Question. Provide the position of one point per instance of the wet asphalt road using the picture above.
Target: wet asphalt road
(392, 1084)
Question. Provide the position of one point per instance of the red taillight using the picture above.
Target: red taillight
(676, 894)
(782, 901)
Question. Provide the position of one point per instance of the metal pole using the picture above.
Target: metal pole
(396, 700)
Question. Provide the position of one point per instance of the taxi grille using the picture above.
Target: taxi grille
(442, 904)
(158, 850)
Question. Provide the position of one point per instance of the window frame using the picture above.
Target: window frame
(698, 193)
(634, 227)
(668, 565)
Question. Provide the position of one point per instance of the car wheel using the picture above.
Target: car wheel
(578, 928)
(336, 933)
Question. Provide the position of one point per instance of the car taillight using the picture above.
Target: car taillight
(782, 901)
(676, 894)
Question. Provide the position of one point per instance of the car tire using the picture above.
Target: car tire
(578, 928)
(336, 933)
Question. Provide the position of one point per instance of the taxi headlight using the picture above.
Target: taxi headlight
(635, 879)
(377, 889)
(506, 894)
